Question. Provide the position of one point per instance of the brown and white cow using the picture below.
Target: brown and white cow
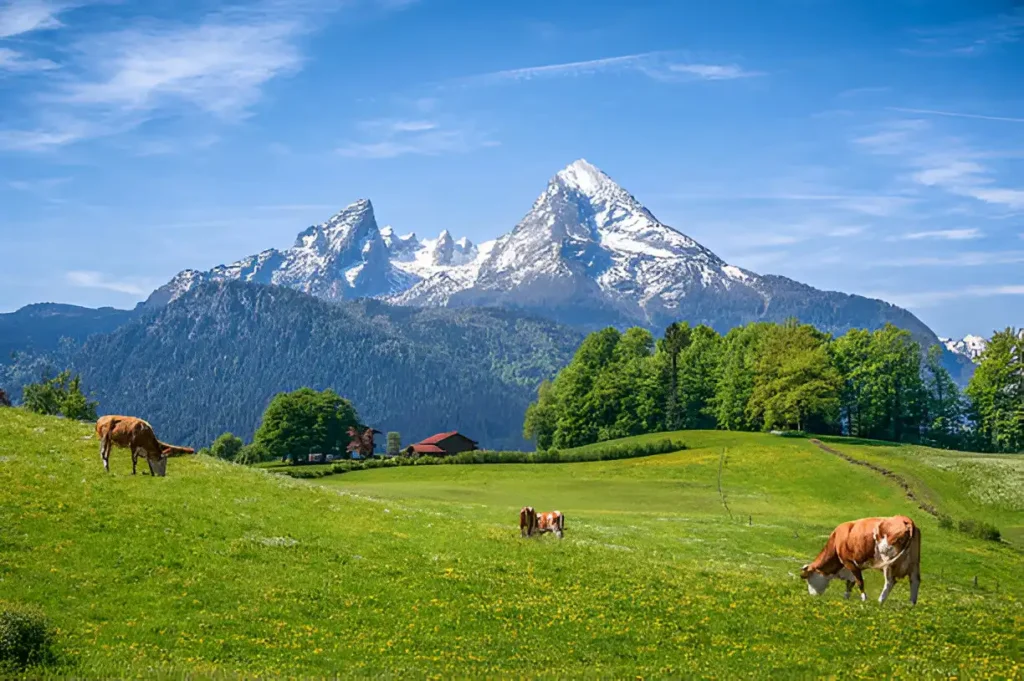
(527, 521)
(531, 522)
(552, 521)
(892, 545)
(136, 435)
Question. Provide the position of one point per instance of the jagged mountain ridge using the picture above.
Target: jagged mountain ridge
(588, 253)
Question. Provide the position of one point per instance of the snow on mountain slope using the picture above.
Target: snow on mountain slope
(969, 346)
(587, 253)
(345, 257)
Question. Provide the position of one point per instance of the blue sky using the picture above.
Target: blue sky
(869, 147)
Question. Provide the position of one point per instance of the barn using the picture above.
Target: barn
(442, 444)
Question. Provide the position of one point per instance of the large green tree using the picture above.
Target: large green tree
(796, 385)
(298, 423)
(945, 404)
(740, 349)
(996, 393)
(675, 341)
(699, 373)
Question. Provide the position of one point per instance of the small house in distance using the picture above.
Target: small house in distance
(442, 444)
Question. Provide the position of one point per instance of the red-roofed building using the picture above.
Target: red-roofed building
(442, 444)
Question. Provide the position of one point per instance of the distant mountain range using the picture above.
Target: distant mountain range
(586, 254)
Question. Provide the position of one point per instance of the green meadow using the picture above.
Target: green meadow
(674, 565)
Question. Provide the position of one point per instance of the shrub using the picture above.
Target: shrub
(25, 637)
(252, 454)
(60, 396)
(227, 447)
(946, 522)
(980, 530)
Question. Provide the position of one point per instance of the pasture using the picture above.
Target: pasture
(672, 565)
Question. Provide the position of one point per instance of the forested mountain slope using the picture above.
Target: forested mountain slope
(211, 360)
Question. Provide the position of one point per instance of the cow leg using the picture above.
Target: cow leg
(105, 455)
(915, 584)
(890, 582)
(849, 588)
(857, 575)
(135, 459)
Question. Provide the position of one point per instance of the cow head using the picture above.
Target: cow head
(817, 582)
(158, 466)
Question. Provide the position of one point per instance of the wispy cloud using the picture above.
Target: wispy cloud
(967, 259)
(24, 16)
(658, 65)
(714, 71)
(876, 205)
(940, 234)
(941, 162)
(91, 279)
(929, 298)
(862, 91)
(956, 114)
(421, 140)
(16, 62)
(218, 66)
(970, 38)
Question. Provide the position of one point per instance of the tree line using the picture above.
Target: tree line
(789, 377)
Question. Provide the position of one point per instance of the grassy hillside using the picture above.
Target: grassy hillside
(420, 571)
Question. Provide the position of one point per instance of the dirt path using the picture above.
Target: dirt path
(895, 477)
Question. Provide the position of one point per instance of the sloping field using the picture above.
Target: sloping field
(419, 571)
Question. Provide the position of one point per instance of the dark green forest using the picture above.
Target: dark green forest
(787, 377)
(212, 361)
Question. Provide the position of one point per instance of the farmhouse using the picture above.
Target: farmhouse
(443, 444)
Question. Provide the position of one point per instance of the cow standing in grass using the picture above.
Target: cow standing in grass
(892, 545)
(531, 522)
(136, 435)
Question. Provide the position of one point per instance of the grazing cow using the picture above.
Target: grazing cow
(136, 435)
(552, 521)
(892, 545)
(527, 521)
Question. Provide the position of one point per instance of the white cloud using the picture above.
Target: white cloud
(42, 140)
(840, 232)
(15, 62)
(432, 141)
(942, 234)
(930, 298)
(23, 16)
(970, 38)
(713, 71)
(114, 82)
(944, 163)
(933, 112)
(966, 259)
(219, 66)
(90, 279)
(656, 65)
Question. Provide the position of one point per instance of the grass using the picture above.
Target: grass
(220, 569)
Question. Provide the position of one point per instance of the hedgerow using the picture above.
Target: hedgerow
(608, 452)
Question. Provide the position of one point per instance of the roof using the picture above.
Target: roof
(426, 449)
(440, 437)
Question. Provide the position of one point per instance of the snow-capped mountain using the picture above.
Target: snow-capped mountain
(345, 257)
(969, 346)
(587, 253)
